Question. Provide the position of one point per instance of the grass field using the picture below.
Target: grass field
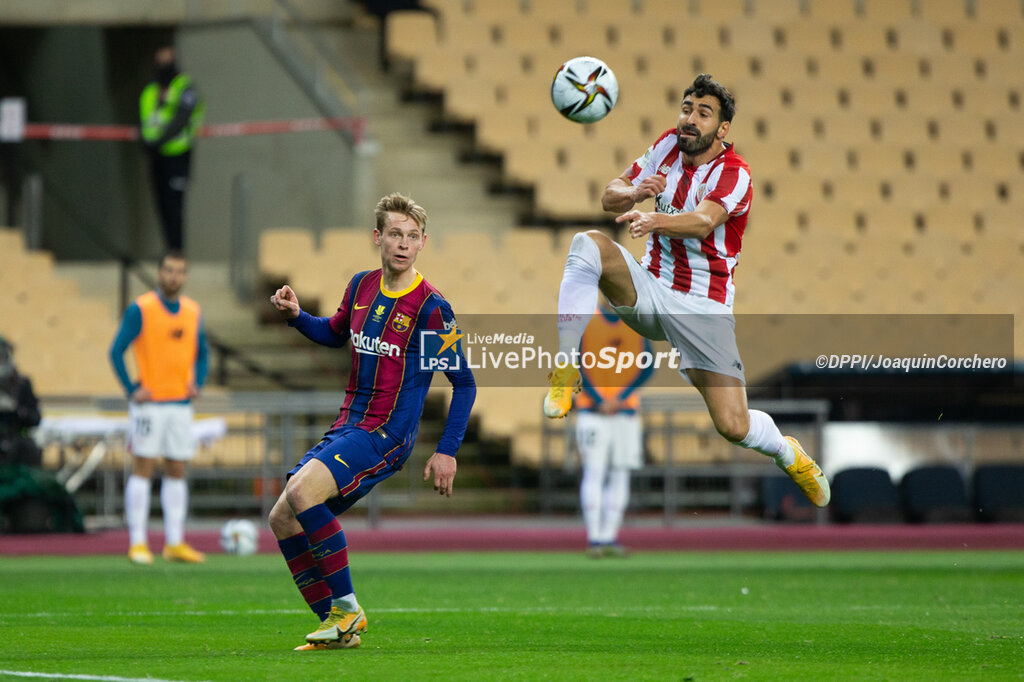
(717, 616)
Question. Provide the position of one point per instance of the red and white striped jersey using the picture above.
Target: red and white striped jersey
(702, 267)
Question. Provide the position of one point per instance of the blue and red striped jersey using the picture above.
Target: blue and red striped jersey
(387, 388)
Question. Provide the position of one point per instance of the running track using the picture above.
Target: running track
(511, 537)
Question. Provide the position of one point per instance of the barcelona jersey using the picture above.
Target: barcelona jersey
(387, 388)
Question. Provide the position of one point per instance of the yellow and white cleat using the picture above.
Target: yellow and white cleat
(338, 626)
(183, 553)
(808, 476)
(140, 554)
(563, 382)
(348, 642)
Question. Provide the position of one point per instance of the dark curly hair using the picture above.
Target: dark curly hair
(705, 85)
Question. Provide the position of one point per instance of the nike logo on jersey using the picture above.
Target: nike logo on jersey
(338, 457)
(360, 307)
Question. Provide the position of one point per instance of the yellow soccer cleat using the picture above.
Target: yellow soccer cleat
(564, 382)
(348, 642)
(338, 626)
(806, 473)
(140, 554)
(183, 553)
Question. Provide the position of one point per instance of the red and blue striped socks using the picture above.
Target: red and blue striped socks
(306, 574)
(328, 548)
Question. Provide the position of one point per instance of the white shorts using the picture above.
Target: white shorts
(161, 430)
(609, 440)
(702, 330)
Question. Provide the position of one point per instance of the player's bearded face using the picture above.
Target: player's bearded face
(170, 276)
(691, 142)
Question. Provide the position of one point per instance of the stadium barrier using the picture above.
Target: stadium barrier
(689, 469)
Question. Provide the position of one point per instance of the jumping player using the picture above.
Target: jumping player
(382, 315)
(683, 289)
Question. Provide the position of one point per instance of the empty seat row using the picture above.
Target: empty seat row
(928, 494)
(933, 493)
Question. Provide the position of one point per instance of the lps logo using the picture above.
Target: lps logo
(439, 351)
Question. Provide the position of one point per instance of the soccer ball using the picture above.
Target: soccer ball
(239, 536)
(584, 89)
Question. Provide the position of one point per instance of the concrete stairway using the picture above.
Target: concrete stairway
(416, 155)
(413, 158)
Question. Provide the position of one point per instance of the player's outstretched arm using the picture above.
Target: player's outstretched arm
(442, 467)
(286, 302)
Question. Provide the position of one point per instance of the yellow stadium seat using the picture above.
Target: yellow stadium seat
(832, 10)
(943, 11)
(887, 11)
(998, 12)
(566, 197)
(283, 251)
(974, 38)
(725, 11)
(811, 35)
(906, 129)
(860, 37)
(918, 37)
(411, 35)
(783, 67)
(666, 11)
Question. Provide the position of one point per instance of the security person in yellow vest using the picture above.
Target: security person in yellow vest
(170, 114)
(165, 331)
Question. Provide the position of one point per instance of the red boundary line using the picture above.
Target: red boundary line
(122, 133)
(444, 538)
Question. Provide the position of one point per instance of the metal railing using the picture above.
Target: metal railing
(672, 468)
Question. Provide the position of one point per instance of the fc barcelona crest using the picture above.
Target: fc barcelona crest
(400, 322)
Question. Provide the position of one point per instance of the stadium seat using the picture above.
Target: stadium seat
(832, 10)
(999, 492)
(998, 12)
(918, 38)
(865, 495)
(783, 501)
(943, 11)
(411, 35)
(282, 251)
(935, 494)
(887, 11)
(858, 37)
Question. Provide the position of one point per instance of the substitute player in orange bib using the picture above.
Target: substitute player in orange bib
(683, 289)
(165, 331)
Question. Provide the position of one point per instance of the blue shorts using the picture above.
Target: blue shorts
(358, 460)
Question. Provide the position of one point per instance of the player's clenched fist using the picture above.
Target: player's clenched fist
(650, 186)
(286, 302)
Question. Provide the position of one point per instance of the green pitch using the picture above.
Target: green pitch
(766, 616)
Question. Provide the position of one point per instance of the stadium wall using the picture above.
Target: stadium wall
(97, 195)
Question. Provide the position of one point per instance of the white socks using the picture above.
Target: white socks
(764, 437)
(616, 497)
(590, 500)
(136, 509)
(604, 504)
(347, 603)
(577, 295)
(174, 500)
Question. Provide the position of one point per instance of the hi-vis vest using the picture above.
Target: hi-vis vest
(166, 347)
(606, 382)
(155, 116)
